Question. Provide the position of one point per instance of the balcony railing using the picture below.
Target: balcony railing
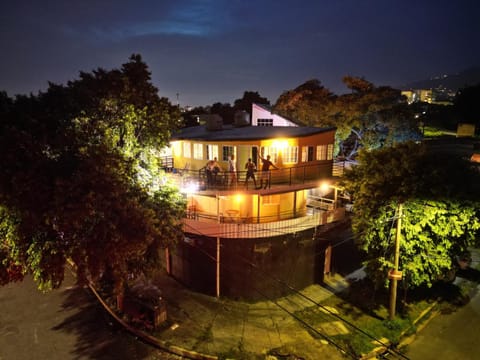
(242, 228)
(285, 176)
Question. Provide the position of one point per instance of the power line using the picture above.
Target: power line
(326, 337)
(296, 291)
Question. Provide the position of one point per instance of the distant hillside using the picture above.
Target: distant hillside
(453, 82)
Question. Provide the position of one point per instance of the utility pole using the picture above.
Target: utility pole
(394, 274)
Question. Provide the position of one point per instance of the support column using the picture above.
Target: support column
(217, 293)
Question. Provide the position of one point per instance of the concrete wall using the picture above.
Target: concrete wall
(250, 268)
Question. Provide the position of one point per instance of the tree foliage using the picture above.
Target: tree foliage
(441, 218)
(248, 98)
(308, 103)
(226, 110)
(73, 184)
(369, 117)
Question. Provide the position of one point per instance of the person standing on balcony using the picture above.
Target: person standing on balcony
(232, 169)
(209, 172)
(250, 167)
(212, 168)
(215, 170)
(265, 176)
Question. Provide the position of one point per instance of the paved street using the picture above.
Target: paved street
(450, 336)
(64, 324)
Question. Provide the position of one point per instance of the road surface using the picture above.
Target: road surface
(67, 323)
(450, 336)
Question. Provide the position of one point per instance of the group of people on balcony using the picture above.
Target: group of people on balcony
(212, 169)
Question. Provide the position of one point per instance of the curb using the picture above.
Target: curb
(408, 339)
(162, 345)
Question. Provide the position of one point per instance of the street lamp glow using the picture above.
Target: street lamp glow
(324, 187)
(189, 188)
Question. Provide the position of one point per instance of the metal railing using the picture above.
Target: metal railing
(225, 180)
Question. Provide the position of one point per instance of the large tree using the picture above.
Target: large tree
(248, 98)
(441, 200)
(309, 103)
(368, 117)
(79, 178)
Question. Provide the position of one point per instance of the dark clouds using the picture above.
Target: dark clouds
(210, 51)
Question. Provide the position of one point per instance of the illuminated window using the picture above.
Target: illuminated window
(212, 152)
(264, 122)
(198, 151)
(330, 152)
(187, 150)
(325, 152)
(227, 151)
(307, 153)
(322, 152)
(269, 150)
(290, 154)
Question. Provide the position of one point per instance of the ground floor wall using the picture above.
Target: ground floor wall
(250, 269)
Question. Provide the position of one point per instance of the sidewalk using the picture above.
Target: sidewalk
(205, 327)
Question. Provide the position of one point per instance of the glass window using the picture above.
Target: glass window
(198, 151)
(269, 150)
(264, 122)
(330, 152)
(290, 154)
(212, 152)
(227, 151)
(322, 152)
(307, 153)
(187, 150)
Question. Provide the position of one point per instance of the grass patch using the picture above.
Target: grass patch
(366, 325)
(430, 132)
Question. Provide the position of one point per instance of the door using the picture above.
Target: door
(243, 154)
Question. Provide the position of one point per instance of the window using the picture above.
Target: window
(325, 152)
(198, 151)
(264, 122)
(322, 152)
(227, 151)
(330, 152)
(290, 154)
(187, 150)
(269, 150)
(212, 152)
(307, 153)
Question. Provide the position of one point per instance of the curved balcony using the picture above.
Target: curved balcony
(305, 175)
(232, 225)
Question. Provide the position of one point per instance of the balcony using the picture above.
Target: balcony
(298, 176)
(241, 228)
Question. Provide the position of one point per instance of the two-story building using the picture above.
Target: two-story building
(237, 238)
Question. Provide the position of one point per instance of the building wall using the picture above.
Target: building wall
(259, 112)
(247, 207)
(243, 150)
(249, 268)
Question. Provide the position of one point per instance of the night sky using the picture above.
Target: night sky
(212, 51)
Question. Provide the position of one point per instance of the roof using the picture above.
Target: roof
(231, 133)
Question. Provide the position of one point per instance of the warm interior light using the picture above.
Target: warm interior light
(280, 144)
